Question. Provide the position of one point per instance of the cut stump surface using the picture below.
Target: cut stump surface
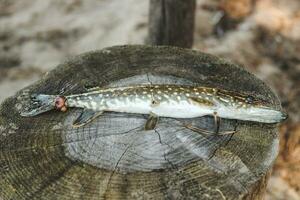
(44, 157)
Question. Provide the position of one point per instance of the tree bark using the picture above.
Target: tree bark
(171, 22)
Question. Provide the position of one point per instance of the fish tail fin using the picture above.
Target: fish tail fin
(38, 103)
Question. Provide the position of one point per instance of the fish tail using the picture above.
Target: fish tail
(38, 103)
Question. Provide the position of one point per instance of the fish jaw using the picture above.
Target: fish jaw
(257, 114)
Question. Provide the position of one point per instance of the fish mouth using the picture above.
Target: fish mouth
(38, 104)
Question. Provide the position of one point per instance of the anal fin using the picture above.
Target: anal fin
(85, 117)
(151, 122)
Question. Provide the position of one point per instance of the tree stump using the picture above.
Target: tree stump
(44, 157)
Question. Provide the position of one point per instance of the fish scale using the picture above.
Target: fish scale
(175, 101)
(142, 94)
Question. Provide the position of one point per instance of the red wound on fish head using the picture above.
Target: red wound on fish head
(60, 103)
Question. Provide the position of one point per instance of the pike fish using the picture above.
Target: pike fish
(174, 101)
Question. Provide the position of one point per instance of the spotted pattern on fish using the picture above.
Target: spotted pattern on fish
(148, 93)
(177, 101)
(168, 93)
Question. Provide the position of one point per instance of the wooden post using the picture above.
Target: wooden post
(44, 157)
(171, 22)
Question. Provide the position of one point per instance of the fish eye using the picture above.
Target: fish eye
(249, 99)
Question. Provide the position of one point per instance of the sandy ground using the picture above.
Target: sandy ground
(35, 35)
(263, 36)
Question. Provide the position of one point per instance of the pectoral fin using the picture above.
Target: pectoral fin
(151, 122)
(85, 117)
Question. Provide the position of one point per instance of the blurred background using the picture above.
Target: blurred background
(261, 35)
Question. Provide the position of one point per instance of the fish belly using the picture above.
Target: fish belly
(168, 108)
(129, 106)
(180, 110)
